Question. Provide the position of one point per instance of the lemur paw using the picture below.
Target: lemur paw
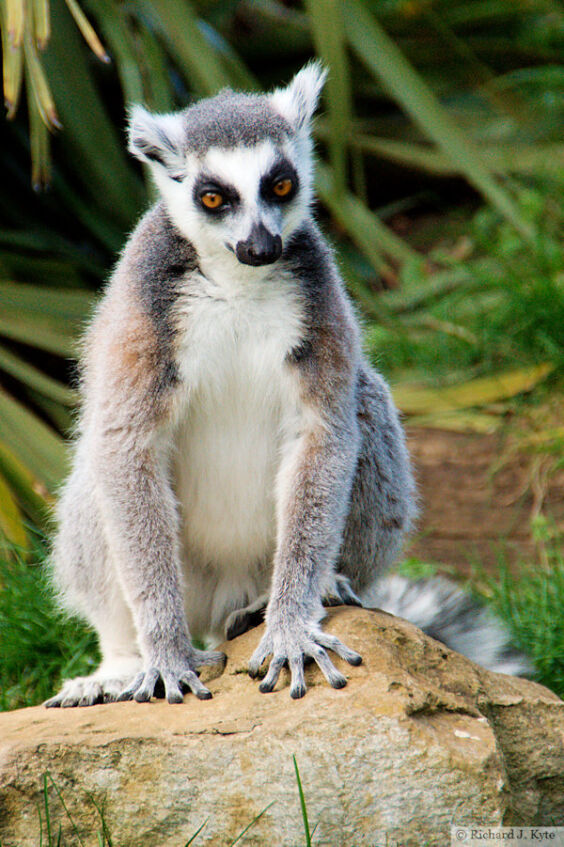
(103, 686)
(289, 646)
(341, 593)
(177, 676)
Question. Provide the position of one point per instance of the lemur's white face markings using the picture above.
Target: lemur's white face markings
(235, 170)
(246, 201)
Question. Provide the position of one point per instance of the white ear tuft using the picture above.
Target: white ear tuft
(157, 139)
(298, 101)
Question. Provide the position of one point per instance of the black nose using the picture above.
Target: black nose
(260, 248)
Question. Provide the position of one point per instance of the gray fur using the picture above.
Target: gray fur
(230, 119)
(234, 446)
(159, 269)
(446, 612)
(227, 121)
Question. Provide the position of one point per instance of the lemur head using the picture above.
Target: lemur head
(235, 170)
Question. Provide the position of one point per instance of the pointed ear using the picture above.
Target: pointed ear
(298, 101)
(158, 139)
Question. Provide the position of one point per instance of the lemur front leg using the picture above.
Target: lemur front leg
(314, 487)
(140, 513)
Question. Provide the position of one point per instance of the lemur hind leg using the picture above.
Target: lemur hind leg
(87, 584)
(121, 662)
(246, 618)
(382, 504)
(241, 620)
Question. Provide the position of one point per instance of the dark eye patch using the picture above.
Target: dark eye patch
(208, 185)
(282, 170)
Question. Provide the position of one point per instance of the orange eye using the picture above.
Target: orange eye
(283, 187)
(212, 200)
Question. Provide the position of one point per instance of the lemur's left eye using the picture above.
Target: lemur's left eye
(283, 187)
(212, 200)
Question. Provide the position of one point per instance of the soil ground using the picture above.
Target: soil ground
(477, 503)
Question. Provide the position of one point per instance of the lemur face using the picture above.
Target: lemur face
(247, 200)
(235, 170)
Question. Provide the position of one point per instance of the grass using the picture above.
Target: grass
(531, 601)
(500, 303)
(40, 647)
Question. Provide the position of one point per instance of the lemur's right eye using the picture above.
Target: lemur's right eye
(283, 187)
(212, 200)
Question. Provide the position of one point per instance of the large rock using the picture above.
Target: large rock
(420, 738)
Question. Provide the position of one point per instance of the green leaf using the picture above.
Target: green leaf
(159, 92)
(459, 421)
(14, 20)
(24, 486)
(38, 139)
(32, 442)
(93, 146)
(58, 414)
(11, 524)
(88, 32)
(47, 318)
(38, 85)
(326, 17)
(41, 22)
(477, 392)
(388, 64)
(302, 805)
(187, 43)
(363, 227)
(34, 378)
(503, 159)
(118, 36)
(39, 300)
(12, 60)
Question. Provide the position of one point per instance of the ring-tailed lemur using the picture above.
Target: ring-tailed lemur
(234, 447)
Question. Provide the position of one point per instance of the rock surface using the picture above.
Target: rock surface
(420, 738)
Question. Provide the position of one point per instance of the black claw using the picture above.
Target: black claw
(204, 695)
(298, 692)
(142, 697)
(356, 661)
(338, 683)
(351, 600)
(125, 695)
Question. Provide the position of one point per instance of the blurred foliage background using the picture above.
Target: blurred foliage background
(440, 182)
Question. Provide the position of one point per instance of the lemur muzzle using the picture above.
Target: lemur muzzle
(260, 248)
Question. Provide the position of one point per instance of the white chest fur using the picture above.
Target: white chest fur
(241, 409)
